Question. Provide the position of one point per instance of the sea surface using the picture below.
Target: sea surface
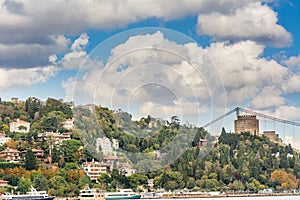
(243, 198)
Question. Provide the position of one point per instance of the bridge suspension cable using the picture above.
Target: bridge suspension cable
(237, 110)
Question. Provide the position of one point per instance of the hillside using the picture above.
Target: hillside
(175, 156)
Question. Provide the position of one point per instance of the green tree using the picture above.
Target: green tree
(5, 128)
(70, 150)
(40, 183)
(171, 185)
(24, 185)
(236, 186)
(83, 180)
(58, 185)
(56, 105)
(32, 105)
(30, 160)
(285, 179)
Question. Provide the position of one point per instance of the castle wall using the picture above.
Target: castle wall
(247, 123)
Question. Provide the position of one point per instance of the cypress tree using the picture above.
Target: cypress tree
(30, 160)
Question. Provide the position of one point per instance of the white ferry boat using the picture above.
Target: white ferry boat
(121, 194)
(32, 195)
(91, 194)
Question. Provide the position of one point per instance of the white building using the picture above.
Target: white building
(19, 126)
(3, 138)
(126, 167)
(94, 169)
(115, 144)
(56, 137)
(106, 146)
(68, 123)
(158, 122)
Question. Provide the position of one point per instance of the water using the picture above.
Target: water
(243, 198)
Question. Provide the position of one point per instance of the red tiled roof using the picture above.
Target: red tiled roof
(9, 150)
(3, 135)
(3, 182)
(20, 122)
(111, 158)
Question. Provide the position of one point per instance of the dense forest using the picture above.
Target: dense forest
(238, 162)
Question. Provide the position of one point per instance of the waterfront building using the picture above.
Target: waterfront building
(95, 169)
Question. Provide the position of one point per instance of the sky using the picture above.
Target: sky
(197, 59)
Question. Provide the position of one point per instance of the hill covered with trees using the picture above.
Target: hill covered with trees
(235, 162)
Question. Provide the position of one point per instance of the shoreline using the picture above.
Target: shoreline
(187, 196)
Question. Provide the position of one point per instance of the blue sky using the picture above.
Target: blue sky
(200, 58)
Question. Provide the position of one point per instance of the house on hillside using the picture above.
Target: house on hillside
(10, 155)
(68, 123)
(126, 167)
(106, 146)
(95, 169)
(3, 183)
(56, 137)
(3, 138)
(38, 153)
(19, 126)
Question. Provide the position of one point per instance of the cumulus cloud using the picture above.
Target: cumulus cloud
(268, 98)
(245, 73)
(288, 112)
(162, 76)
(74, 17)
(254, 21)
(80, 43)
(77, 55)
(293, 63)
(149, 69)
(31, 26)
(27, 75)
(292, 85)
(13, 78)
(146, 68)
(30, 55)
(179, 108)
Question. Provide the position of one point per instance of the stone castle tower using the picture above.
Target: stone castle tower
(247, 123)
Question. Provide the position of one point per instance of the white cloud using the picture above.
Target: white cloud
(254, 21)
(13, 78)
(288, 112)
(74, 17)
(268, 98)
(293, 62)
(180, 108)
(76, 56)
(153, 72)
(80, 43)
(31, 26)
(31, 55)
(292, 85)
(245, 73)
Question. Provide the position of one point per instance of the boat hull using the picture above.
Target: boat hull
(123, 197)
(28, 198)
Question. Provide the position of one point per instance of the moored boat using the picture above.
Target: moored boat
(32, 195)
(91, 194)
(121, 194)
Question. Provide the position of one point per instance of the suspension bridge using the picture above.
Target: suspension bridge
(287, 127)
